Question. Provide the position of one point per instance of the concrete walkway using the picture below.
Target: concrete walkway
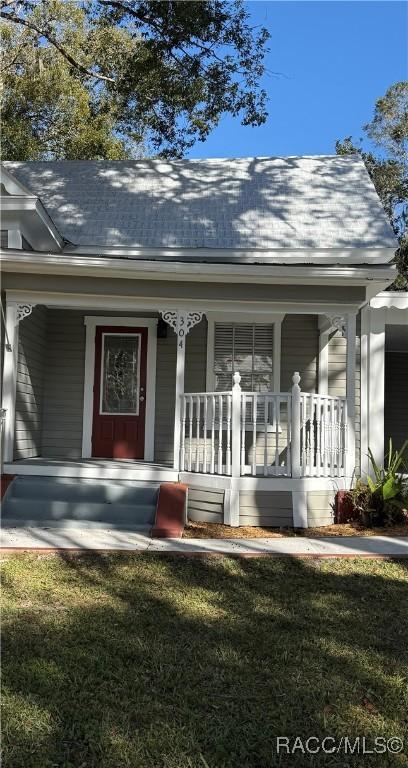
(121, 540)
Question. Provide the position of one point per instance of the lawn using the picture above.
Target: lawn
(153, 661)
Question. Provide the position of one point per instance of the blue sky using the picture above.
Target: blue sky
(336, 59)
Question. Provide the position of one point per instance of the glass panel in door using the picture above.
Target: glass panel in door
(120, 378)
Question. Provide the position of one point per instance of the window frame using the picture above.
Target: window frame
(271, 318)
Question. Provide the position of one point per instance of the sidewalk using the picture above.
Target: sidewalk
(121, 540)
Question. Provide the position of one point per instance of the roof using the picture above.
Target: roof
(258, 203)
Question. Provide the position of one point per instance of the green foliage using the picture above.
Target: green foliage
(95, 79)
(383, 498)
(388, 166)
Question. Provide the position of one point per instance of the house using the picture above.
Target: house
(222, 323)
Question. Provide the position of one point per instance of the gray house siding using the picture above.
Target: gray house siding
(266, 508)
(320, 507)
(30, 384)
(204, 505)
(64, 385)
(299, 350)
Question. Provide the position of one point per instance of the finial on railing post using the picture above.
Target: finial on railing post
(296, 379)
(295, 426)
(237, 379)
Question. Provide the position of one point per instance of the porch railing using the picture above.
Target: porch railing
(286, 434)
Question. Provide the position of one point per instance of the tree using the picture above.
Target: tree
(387, 165)
(92, 79)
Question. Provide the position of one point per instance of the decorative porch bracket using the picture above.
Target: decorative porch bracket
(24, 310)
(339, 322)
(182, 321)
(14, 314)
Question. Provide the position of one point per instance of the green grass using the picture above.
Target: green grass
(173, 662)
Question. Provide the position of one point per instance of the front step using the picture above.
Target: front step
(86, 490)
(69, 502)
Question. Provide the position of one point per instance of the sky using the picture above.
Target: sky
(336, 59)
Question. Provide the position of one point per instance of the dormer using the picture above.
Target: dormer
(24, 218)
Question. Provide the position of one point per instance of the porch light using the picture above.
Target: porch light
(162, 329)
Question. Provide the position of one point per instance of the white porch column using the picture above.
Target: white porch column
(295, 427)
(351, 392)
(14, 313)
(231, 501)
(181, 322)
(372, 386)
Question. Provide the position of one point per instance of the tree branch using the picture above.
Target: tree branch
(53, 41)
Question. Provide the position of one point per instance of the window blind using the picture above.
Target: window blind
(247, 348)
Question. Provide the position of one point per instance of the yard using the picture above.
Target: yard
(144, 661)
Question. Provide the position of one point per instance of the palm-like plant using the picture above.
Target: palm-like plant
(383, 498)
(389, 481)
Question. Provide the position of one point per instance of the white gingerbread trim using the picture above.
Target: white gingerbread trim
(24, 310)
(339, 322)
(181, 319)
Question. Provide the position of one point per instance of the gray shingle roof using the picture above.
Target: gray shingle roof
(249, 203)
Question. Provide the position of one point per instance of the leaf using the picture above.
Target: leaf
(371, 484)
(390, 488)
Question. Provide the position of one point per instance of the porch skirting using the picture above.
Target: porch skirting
(269, 502)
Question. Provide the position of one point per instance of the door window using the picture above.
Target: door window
(120, 374)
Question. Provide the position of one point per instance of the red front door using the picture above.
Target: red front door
(118, 429)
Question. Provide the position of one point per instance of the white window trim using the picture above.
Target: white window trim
(258, 319)
(91, 323)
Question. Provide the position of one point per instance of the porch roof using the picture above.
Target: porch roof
(316, 202)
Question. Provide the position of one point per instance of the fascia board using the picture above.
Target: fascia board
(62, 263)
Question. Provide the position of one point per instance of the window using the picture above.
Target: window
(120, 374)
(247, 348)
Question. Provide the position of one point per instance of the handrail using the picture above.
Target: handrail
(288, 434)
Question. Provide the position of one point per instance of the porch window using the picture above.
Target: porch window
(247, 348)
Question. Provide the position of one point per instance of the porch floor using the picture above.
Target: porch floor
(113, 469)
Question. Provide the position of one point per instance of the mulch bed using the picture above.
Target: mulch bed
(216, 531)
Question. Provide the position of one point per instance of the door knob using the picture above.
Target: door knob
(141, 398)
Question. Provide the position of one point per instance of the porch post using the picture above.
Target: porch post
(14, 313)
(231, 503)
(375, 393)
(181, 322)
(295, 426)
(351, 392)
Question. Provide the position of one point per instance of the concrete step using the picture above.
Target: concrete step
(11, 524)
(49, 509)
(31, 501)
(84, 490)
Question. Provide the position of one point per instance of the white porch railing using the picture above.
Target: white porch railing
(286, 434)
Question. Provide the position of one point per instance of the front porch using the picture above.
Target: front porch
(290, 437)
(95, 469)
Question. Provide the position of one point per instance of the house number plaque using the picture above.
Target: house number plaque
(181, 322)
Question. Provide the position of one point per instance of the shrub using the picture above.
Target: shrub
(383, 499)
